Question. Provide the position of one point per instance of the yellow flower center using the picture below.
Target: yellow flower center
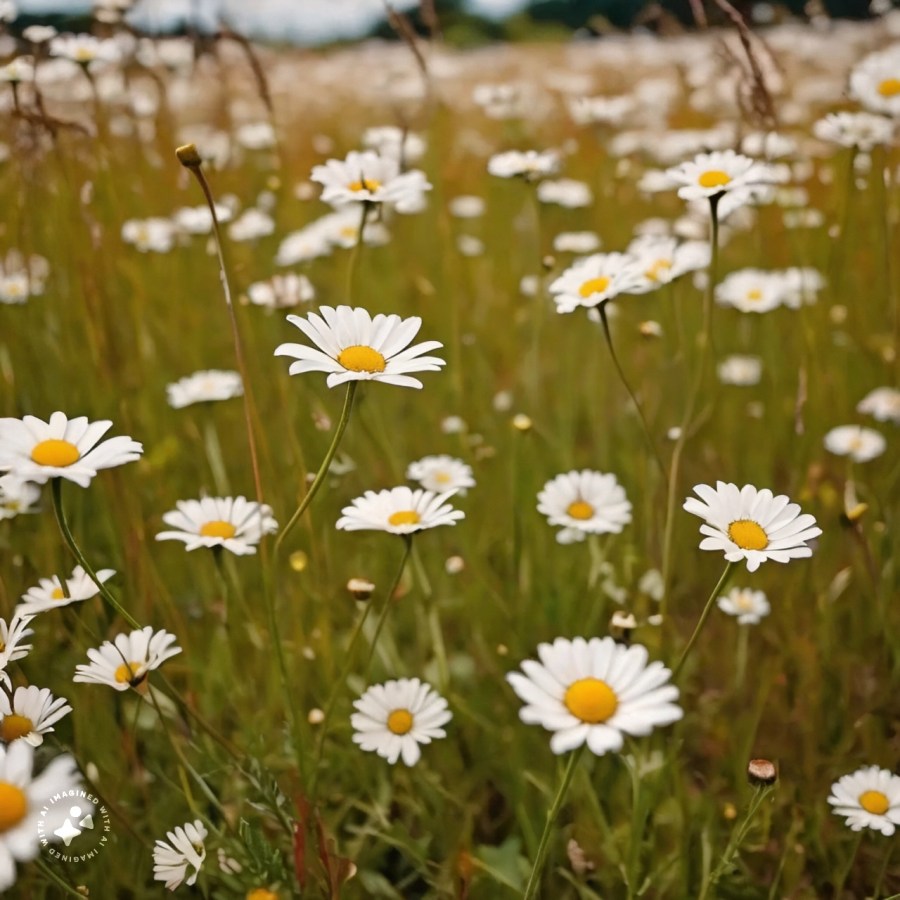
(591, 700)
(404, 517)
(748, 535)
(56, 453)
(874, 802)
(890, 87)
(658, 269)
(126, 674)
(714, 178)
(13, 806)
(262, 894)
(13, 727)
(594, 286)
(755, 294)
(365, 184)
(57, 594)
(400, 721)
(580, 510)
(744, 601)
(360, 358)
(442, 477)
(218, 529)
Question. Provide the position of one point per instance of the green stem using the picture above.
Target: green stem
(882, 872)
(740, 666)
(379, 625)
(842, 878)
(353, 264)
(702, 621)
(52, 876)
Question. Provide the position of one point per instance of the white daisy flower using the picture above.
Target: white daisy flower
(17, 496)
(34, 450)
(752, 290)
(566, 192)
(48, 594)
(530, 164)
(251, 224)
(576, 242)
(710, 175)
(125, 663)
(341, 229)
(185, 849)
(585, 502)
(153, 235)
(594, 692)
(883, 403)
(205, 386)
(370, 178)
(861, 130)
(352, 345)
(198, 219)
(860, 444)
(399, 510)
(441, 473)
(752, 525)
(868, 798)
(85, 48)
(30, 714)
(739, 370)
(594, 280)
(397, 143)
(12, 647)
(281, 291)
(234, 523)
(875, 82)
(395, 717)
(747, 605)
(659, 260)
(22, 797)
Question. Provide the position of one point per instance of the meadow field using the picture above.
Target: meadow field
(555, 291)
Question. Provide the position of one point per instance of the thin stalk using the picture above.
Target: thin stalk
(740, 665)
(353, 264)
(48, 872)
(882, 872)
(842, 878)
(214, 455)
(379, 625)
(702, 621)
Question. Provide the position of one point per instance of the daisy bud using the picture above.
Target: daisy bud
(360, 588)
(315, 717)
(621, 625)
(761, 772)
(188, 156)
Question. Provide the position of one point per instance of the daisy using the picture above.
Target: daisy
(341, 229)
(594, 280)
(861, 130)
(742, 371)
(153, 235)
(595, 692)
(30, 714)
(883, 403)
(353, 345)
(868, 798)
(250, 225)
(84, 48)
(747, 605)
(395, 717)
(281, 291)
(17, 496)
(576, 242)
(198, 219)
(204, 387)
(711, 175)
(34, 450)
(185, 849)
(585, 502)
(369, 178)
(860, 444)
(751, 290)
(302, 246)
(395, 143)
(530, 165)
(22, 798)
(11, 646)
(875, 82)
(441, 473)
(751, 524)
(565, 192)
(399, 510)
(48, 594)
(126, 662)
(659, 260)
(235, 523)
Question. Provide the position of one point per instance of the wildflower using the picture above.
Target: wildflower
(564, 694)
(751, 524)
(281, 291)
(250, 225)
(576, 242)
(739, 370)
(34, 450)
(393, 718)
(762, 772)
(198, 219)
(586, 502)
(17, 496)
(48, 594)
(868, 798)
(751, 290)
(395, 143)
(302, 246)
(184, 850)
(441, 473)
(11, 646)
(84, 48)
(467, 206)
(30, 714)
(594, 280)
(659, 260)
(875, 82)
(711, 175)
(153, 235)
(530, 165)
(17, 70)
(747, 605)
(255, 135)
(353, 345)
(883, 403)
(565, 192)
(233, 523)
(860, 444)
(600, 110)
(204, 387)
(861, 130)
(399, 510)
(370, 178)
(341, 229)
(125, 663)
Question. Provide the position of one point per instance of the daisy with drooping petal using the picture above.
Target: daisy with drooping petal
(883, 403)
(48, 594)
(235, 523)
(185, 849)
(594, 280)
(751, 524)
(441, 473)
(588, 502)
(17, 496)
(125, 663)
(370, 178)
(11, 643)
(710, 175)
(868, 798)
(29, 714)
(206, 386)
(393, 718)
(594, 692)
(34, 450)
(747, 605)
(353, 345)
(399, 510)
(860, 444)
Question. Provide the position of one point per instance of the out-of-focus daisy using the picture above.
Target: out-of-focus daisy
(84, 48)
(255, 135)
(251, 225)
(710, 175)
(352, 345)
(19, 69)
(393, 142)
(34, 450)
(441, 473)
(48, 594)
(29, 714)
(659, 260)
(204, 387)
(233, 523)
(22, 797)
(17, 496)
(154, 235)
(126, 662)
(860, 444)
(530, 164)
(751, 290)
(883, 403)
(801, 285)
(565, 192)
(593, 692)
(868, 798)
(370, 178)
(281, 291)
(768, 144)
(393, 718)
(198, 219)
(586, 501)
(740, 370)
(185, 849)
(875, 82)
(576, 242)
(594, 280)
(341, 229)
(751, 524)
(600, 110)
(12, 646)
(861, 130)
(467, 206)
(500, 101)
(302, 246)
(747, 605)
(399, 510)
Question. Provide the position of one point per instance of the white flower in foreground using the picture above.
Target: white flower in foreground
(594, 692)
(883, 403)
(185, 849)
(48, 594)
(30, 714)
(586, 502)
(739, 370)
(861, 130)
(752, 525)
(12, 647)
(530, 164)
(206, 386)
(393, 718)
(710, 175)
(868, 798)
(125, 663)
(17, 496)
(875, 82)
(34, 450)
(399, 510)
(234, 523)
(352, 345)
(747, 605)
(370, 178)
(441, 473)
(594, 280)
(860, 444)
(22, 797)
